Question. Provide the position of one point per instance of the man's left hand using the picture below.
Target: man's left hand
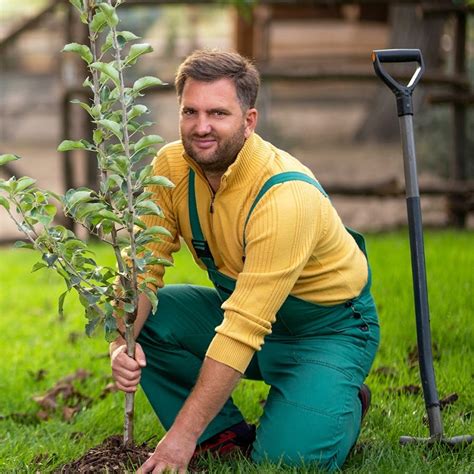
(172, 454)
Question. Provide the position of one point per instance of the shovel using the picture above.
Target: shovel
(403, 95)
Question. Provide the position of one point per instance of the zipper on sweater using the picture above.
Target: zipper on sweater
(211, 207)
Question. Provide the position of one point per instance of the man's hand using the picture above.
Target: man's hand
(213, 387)
(126, 371)
(172, 454)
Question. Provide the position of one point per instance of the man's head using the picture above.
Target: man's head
(212, 65)
(217, 93)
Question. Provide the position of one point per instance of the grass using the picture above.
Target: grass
(34, 339)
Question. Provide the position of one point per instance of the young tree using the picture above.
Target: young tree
(113, 212)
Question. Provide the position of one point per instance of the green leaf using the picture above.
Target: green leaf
(88, 83)
(81, 49)
(158, 229)
(158, 181)
(105, 94)
(152, 298)
(110, 326)
(61, 304)
(85, 106)
(112, 181)
(4, 203)
(77, 4)
(136, 51)
(96, 110)
(19, 244)
(119, 164)
(92, 325)
(44, 219)
(145, 82)
(147, 141)
(112, 126)
(38, 266)
(74, 197)
(4, 159)
(24, 182)
(122, 38)
(115, 116)
(87, 209)
(145, 172)
(121, 41)
(139, 223)
(159, 261)
(128, 35)
(107, 227)
(110, 14)
(67, 145)
(108, 43)
(137, 110)
(88, 298)
(50, 210)
(146, 208)
(98, 136)
(99, 22)
(50, 258)
(108, 70)
(110, 216)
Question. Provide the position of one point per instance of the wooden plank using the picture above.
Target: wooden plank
(292, 72)
(28, 24)
(428, 9)
(306, 12)
(451, 98)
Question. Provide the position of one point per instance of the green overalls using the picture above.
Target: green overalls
(315, 359)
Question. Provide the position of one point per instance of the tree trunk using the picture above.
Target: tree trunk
(408, 30)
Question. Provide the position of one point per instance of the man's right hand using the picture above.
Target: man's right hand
(126, 371)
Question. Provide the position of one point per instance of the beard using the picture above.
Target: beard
(218, 160)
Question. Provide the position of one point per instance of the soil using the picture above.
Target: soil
(108, 457)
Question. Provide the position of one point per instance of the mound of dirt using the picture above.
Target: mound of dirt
(110, 456)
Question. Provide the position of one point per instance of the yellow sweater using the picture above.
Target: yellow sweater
(295, 241)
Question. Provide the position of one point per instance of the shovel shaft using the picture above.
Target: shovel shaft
(422, 313)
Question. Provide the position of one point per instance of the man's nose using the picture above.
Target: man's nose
(203, 125)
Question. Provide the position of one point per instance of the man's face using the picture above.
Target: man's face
(213, 125)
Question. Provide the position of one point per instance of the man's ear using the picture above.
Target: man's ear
(251, 117)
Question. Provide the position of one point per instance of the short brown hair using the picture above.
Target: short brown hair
(212, 65)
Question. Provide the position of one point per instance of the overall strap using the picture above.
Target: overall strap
(199, 243)
(277, 179)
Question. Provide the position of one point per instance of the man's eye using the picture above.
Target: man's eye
(188, 112)
(219, 113)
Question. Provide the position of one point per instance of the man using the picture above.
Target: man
(291, 304)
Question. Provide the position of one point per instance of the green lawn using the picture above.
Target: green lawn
(33, 339)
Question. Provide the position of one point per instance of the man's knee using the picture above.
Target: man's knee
(305, 437)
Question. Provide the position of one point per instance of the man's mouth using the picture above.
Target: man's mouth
(204, 143)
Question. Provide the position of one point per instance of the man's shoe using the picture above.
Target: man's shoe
(365, 397)
(236, 439)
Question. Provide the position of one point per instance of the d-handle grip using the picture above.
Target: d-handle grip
(401, 91)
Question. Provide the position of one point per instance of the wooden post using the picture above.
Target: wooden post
(244, 34)
(458, 170)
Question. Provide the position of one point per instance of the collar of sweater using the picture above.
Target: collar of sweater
(252, 158)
